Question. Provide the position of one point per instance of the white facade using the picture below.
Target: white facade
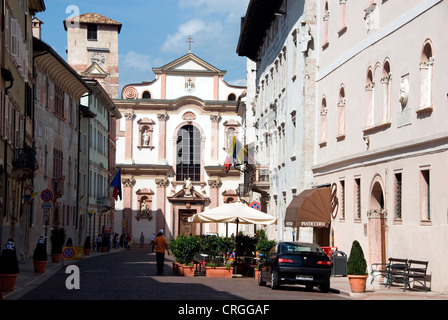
(381, 138)
(187, 94)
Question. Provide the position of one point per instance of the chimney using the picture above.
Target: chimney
(37, 29)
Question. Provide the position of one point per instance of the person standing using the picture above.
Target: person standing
(152, 241)
(142, 240)
(161, 245)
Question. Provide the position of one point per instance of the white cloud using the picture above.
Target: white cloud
(134, 60)
(203, 33)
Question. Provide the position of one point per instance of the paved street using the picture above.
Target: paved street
(131, 275)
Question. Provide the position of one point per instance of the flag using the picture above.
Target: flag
(29, 197)
(116, 184)
(227, 164)
(236, 150)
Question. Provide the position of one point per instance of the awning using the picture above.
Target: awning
(311, 208)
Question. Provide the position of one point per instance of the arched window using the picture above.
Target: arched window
(426, 77)
(326, 19)
(188, 148)
(323, 121)
(341, 113)
(386, 83)
(369, 98)
(146, 95)
(231, 97)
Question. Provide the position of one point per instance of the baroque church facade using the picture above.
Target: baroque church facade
(171, 147)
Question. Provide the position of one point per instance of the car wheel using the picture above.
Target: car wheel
(274, 280)
(260, 279)
(325, 288)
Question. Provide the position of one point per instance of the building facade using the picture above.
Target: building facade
(380, 138)
(58, 90)
(92, 42)
(279, 40)
(17, 149)
(171, 148)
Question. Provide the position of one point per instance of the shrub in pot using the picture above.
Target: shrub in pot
(87, 246)
(357, 268)
(40, 256)
(9, 266)
(57, 242)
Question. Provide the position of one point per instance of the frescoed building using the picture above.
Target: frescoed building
(171, 148)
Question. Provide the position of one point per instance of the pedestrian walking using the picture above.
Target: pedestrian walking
(142, 240)
(99, 241)
(161, 245)
(152, 241)
(129, 239)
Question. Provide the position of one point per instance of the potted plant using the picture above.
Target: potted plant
(87, 246)
(40, 256)
(357, 268)
(57, 242)
(9, 267)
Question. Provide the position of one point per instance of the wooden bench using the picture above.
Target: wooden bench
(416, 272)
(392, 270)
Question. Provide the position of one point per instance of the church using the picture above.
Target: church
(171, 147)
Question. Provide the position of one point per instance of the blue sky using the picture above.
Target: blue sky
(155, 32)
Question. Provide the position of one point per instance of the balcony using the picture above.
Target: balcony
(261, 182)
(24, 162)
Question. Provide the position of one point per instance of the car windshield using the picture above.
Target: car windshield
(299, 247)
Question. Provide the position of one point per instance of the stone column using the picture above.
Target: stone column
(215, 138)
(128, 187)
(214, 198)
(161, 204)
(377, 236)
(129, 135)
(162, 138)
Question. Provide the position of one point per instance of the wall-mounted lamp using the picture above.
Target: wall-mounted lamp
(7, 76)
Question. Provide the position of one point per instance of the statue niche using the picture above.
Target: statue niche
(146, 130)
(145, 202)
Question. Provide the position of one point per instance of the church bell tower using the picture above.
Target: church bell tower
(92, 45)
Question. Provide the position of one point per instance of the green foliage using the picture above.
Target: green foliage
(87, 243)
(57, 240)
(184, 248)
(245, 245)
(40, 253)
(8, 259)
(356, 264)
(264, 245)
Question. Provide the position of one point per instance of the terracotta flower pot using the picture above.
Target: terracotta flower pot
(56, 257)
(357, 283)
(188, 271)
(39, 266)
(8, 281)
(218, 272)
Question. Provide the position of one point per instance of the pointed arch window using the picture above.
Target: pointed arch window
(323, 122)
(426, 78)
(188, 156)
(341, 113)
(369, 98)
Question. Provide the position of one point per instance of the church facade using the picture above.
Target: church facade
(171, 146)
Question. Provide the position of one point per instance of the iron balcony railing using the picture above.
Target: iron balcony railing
(25, 158)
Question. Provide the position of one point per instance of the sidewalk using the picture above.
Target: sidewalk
(28, 279)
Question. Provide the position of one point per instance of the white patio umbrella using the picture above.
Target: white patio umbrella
(235, 213)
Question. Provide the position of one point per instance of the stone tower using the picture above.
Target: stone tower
(92, 44)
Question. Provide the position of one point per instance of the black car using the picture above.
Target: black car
(296, 263)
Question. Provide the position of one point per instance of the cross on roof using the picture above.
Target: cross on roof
(190, 41)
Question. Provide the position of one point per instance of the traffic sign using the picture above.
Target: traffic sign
(46, 195)
(255, 205)
(47, 205)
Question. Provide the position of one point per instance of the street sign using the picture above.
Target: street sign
(255, 205)
(47, 205)
(46, 195)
